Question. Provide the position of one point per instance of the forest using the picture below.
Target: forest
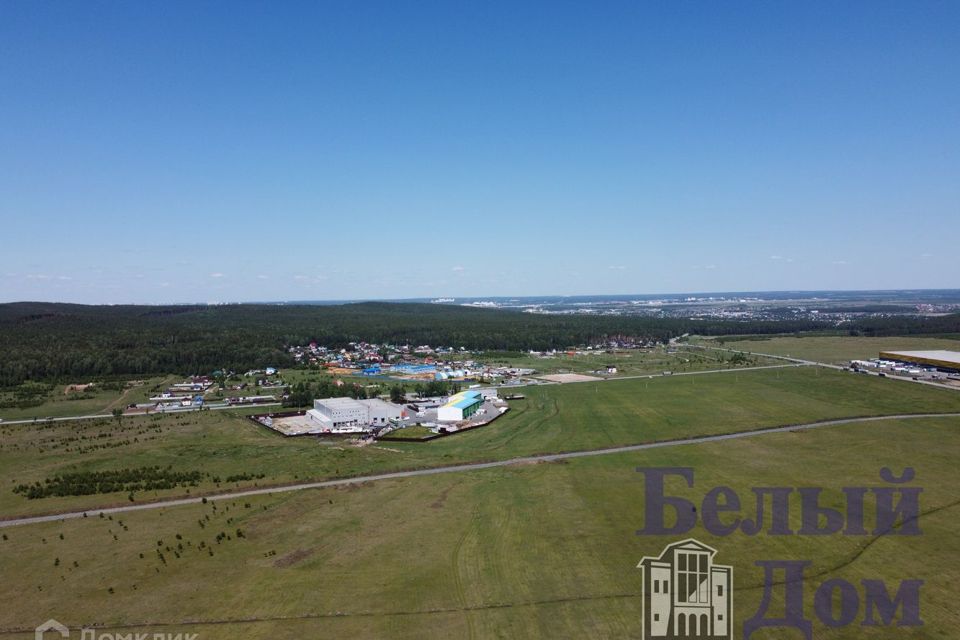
(65, 342)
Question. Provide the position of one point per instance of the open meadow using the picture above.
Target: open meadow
(479, 321)
(832, 349)
(223, 451)
(533, 550)
(40, 401)
(629, 362)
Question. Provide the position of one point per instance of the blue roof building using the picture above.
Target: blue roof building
(460, 406)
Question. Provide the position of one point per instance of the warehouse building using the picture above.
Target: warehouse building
(460, 406)
(346, 415)
(380, 413)
(943, 360)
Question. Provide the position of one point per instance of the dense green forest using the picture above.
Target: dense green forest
(47, 341)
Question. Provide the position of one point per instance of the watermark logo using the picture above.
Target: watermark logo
(686, 594)
(49, 630)
(53, 627)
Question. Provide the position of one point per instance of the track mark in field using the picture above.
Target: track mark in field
(859, 552)
(338, 614)
(463, 608)
(455, 569)
(442, 498)
(549, 410)
(119, 402)
(116, 402)
(293, 558)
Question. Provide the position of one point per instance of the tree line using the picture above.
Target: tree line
(85, 483)
(66, 343)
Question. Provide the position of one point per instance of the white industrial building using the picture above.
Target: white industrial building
(939, 359)
(346, 415)
(380, 413)
(460, 406)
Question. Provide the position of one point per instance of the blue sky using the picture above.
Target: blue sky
(201, 151)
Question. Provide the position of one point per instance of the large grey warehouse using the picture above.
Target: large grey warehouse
(943, 360)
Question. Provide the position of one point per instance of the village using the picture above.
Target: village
(432, 379)
(364, 372)
(404, 362)
(425, 410)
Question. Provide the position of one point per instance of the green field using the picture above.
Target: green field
(415, 432)
(537, 550)
(654, 360)
(630, 362)
(58, 403)
(833, 349)
(553, 418)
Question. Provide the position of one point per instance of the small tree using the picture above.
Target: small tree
(118, 414)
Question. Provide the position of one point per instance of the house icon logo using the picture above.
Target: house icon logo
(686, 595)
(54, 627)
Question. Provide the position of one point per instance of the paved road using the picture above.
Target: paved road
(471, 466)
(99, 416)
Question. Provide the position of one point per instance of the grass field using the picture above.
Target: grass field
(415, 432)
(628, 362)
(834, 349)
(60, 404)
(539, 550)
(553, 418)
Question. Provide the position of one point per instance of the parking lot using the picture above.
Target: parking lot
(426, 415)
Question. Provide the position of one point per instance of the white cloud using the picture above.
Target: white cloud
(310, 280)
(617, 267)
(216, 274)
(710, 266)
(840, 262)
(263, 277)
(457, 268)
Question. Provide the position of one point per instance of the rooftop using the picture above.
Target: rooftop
(340, 403)
(377, 402)
(464, 399)
(938, 354)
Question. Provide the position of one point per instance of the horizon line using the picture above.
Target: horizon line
(452, 299)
